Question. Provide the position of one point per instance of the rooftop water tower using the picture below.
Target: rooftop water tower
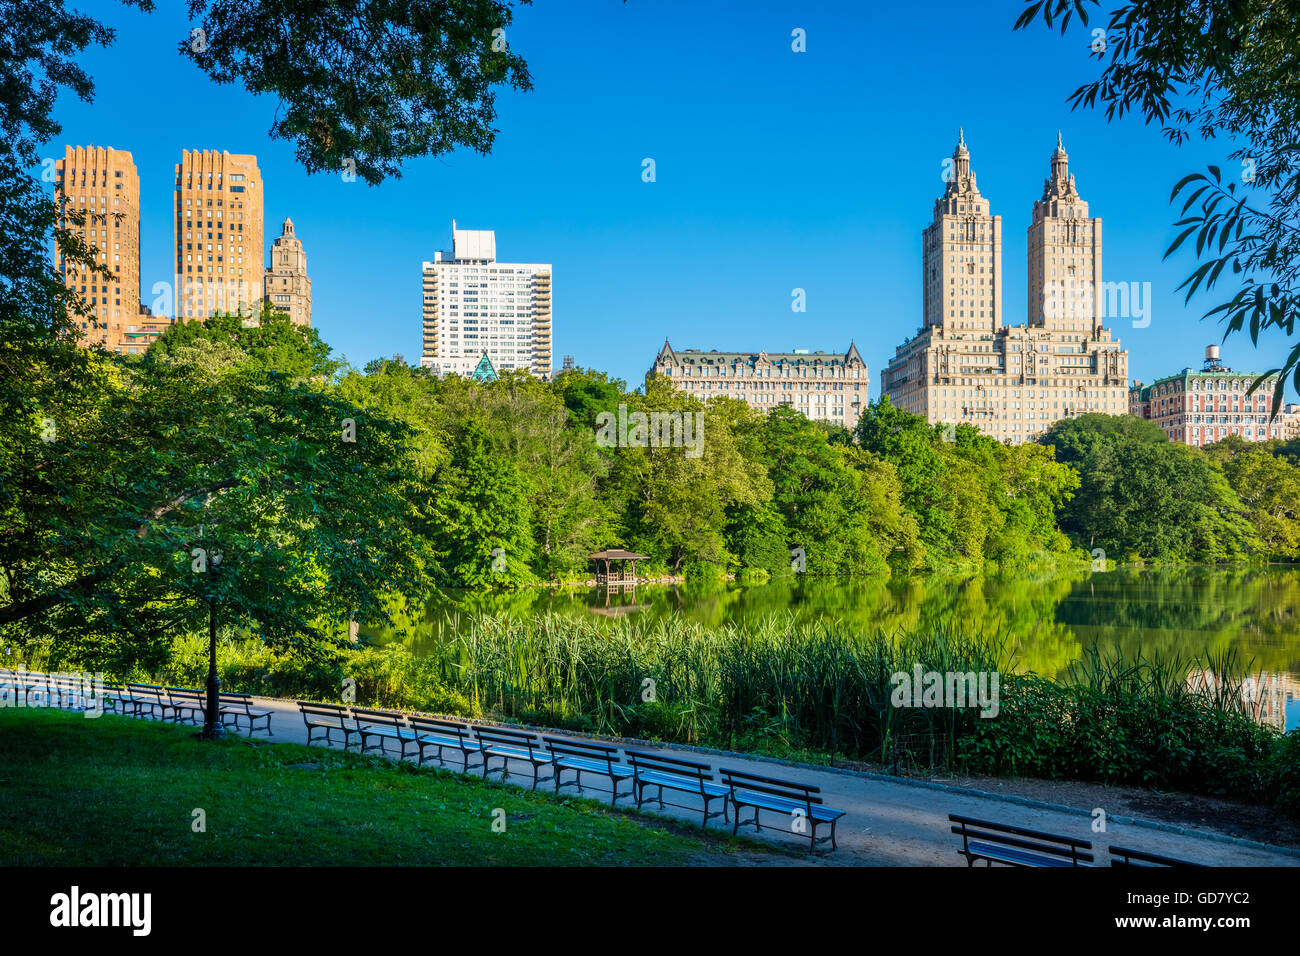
(1212, 363)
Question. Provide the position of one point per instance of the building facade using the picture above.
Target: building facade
(824, 386)
(102, 184)
(965, 365)
(286, 286)
(218, 234)
(474, 306)
(1200, 408)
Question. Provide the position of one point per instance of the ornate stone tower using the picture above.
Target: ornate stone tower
(1064, 256)
(961, 254)
(288, 289)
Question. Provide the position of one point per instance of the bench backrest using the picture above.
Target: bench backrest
(642, 761)
(1022, 838)
(1122, 856)
(588, 750)
(385, 717)
(443, 728)
(187, 694)
(338, 711)
(772, 786)
(147, 690)
(507, 738)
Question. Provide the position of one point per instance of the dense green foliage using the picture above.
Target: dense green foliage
(339, 494)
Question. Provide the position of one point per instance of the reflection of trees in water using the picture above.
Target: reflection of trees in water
(1192, 611)
(1045, 617)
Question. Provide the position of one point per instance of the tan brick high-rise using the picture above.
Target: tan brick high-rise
(1011, 382)
(102, 183)
(287, 287)
(218, 230)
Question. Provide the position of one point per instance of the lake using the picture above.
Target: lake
(1048, 617)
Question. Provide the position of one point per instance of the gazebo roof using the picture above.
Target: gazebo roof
(617, 554)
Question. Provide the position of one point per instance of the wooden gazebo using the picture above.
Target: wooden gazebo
(620, 558)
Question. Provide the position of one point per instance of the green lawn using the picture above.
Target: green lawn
(118, 790)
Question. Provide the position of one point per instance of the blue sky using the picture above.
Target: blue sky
(775, 170)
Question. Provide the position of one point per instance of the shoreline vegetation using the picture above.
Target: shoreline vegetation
(782, 688)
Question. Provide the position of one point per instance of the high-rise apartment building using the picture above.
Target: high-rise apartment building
(287, 287)
(218, 230)
(476, 306)
(1011, 382)
(102, 183)
(1200, 408)
(824, 386)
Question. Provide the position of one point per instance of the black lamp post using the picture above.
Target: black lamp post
(213, 729)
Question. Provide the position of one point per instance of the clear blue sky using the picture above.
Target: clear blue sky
(775, 170)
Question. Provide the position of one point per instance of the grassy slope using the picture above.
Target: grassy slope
(114, 791)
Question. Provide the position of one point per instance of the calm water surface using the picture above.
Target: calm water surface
(1048, 617)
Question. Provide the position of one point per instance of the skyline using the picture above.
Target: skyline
(776, 180)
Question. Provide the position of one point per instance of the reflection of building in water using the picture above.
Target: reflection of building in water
(626, 603)
(1264, 695)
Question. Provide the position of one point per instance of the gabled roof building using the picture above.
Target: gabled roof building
(824, 386)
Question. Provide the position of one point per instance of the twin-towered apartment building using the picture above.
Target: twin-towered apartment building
(965, 366)
(217, 232)
(1011, 382)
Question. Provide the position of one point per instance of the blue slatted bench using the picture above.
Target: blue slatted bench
(445, 735)
(329, 718)
(1122, 856)
(151, 697)
(673, 773)
(386, 726)
(587, 757)
(188, 705)
(511, 745)
(236, 707)
(118, 700)
(794, 800)
(1017, 846)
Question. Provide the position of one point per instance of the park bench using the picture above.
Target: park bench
(329, 718)
(511, 745)
(74, 692)
(1122, 856)
(66, 693)
(152, 698)
(798, 801)
(26, 685)
(119, 700)
(1017, 846)
(673, 773)
(188, 705)
(236, 707)
(385, 726)
(587, 757)
(445, 735)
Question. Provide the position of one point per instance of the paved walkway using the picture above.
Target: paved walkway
(891, 823)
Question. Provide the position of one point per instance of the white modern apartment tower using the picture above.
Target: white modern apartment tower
(474, 306)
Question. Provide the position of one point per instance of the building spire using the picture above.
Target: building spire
(961, 139)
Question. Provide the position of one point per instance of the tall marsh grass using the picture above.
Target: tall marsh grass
(783, 687)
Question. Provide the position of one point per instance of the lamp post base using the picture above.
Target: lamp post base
(212, 732)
